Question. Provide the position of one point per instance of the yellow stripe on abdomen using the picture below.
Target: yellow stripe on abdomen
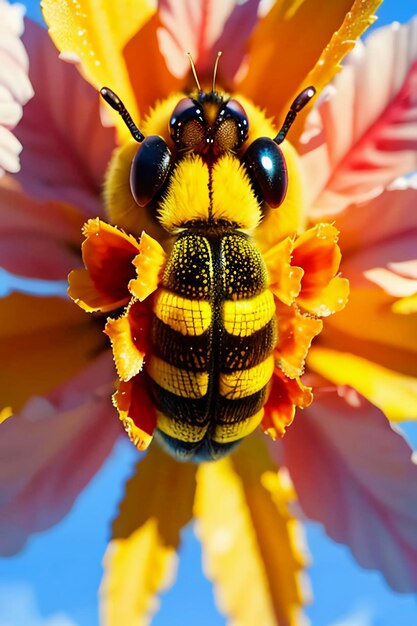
(180, 429)
(243, 383)
(226, 433)
(245, 317)
(181, 382)
(188, 317)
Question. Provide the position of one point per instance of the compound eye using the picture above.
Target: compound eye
(187, 124)
(149, 169)
(233, 126)
(267, 170)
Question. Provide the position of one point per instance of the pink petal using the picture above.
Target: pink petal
(15, 87)
(383, 265)
(364, 133)
(38, 239)
(354, 473)
(51, 450)
(66, 148)
(389, 216)
(203, 29)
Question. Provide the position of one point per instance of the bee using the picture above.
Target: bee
(213, 329)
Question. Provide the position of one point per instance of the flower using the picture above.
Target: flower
(350, 468)
(15, 87)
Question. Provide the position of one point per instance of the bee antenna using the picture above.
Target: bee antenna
(216, 64)
(299, 103)
(114, 101)
(197, 82)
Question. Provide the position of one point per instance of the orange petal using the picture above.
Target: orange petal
(317, 252)
(149, 264)
(148, 74)
(107, 254)
(136, 411)
(44, 341)
(285, 396)
(285, 279)
(295, 334)
(328, 300)
(83, 291)
(129, 337)
(279, 35)
(357, 20)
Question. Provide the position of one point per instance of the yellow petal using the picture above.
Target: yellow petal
(285, 280)
(44, 342)
(294, 34)
(295, 334)
(141, 558)
(96, 31)
(250, 540)
(5, 413)
(327, 300)
(405, 306)
(129, 336)
(149, 265)
(369, 316)
(394, 393)
(357, 20)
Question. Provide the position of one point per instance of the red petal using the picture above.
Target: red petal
(136, 411)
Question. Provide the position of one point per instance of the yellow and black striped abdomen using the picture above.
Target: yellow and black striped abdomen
(213, 334)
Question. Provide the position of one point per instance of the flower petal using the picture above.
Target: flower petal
(394, 393)
(285, 395)
(96, 33)
(108, 254)
(149, 76)
(361, 225)
(15, 86)
(141, 560)
(149, 265)
(32, 233)
(136, 411)
(295, 334)
(201, 28)
(356, 475)
(327, 300)
(317, 253)
(285, 280)
(129, 335)
(65, 152)
(369, 316)
(50, 451)
(251, 543)
(366, 130)
(31, 331)
(405, 306)
(279, 35)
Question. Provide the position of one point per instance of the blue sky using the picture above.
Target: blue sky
(54, 581)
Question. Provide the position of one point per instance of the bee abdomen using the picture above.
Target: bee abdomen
(213, 335)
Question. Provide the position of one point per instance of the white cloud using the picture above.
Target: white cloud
(360, 617)
(18, 607)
